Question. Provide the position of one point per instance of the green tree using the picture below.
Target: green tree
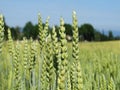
(30, 30)
(87, 31)
(68, 29)
(104, 37)
(97, 35)
(15, 32)
(110, 35)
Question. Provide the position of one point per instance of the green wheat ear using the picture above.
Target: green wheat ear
(46, 32)
(49, 63)
(111, 85)
(10, 42)
(32, 59)
(75, 54)
(17, 67)
(54, 40)
(55, 48)
(43, 56)
(63, 62)
(41, 31)
(1, 32)
(56, 54)
(103, 84)
(25, 53)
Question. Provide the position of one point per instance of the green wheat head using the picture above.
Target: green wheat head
(111, 85)
(46, 32)
(43, 79)
(63, 63)
(32, 59)
(10, 42)
(75, 54)
(41, 32)
(1, 32)
(75, 47)
(103, 84)
(16, 63)
(49, 63)
(25, 54)
(54, 41)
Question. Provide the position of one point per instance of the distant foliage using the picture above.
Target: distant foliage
(86, 32)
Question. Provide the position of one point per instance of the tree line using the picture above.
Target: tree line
(86, 32)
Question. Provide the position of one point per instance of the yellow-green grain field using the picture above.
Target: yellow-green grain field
(49, 64)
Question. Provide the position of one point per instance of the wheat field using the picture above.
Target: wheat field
(49, 64)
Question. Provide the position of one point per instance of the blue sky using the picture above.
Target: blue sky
(102, 14)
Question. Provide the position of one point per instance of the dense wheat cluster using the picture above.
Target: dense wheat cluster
(50, 63)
